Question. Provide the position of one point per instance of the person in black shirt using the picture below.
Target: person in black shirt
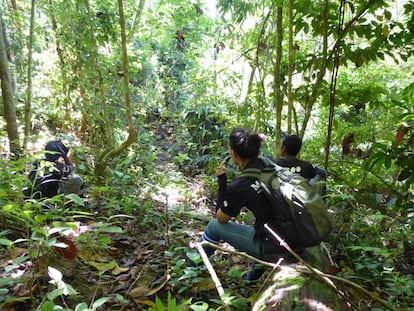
(54, 174)
(290, 149)
(243, 192)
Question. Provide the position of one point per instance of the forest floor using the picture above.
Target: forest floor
(129, 270)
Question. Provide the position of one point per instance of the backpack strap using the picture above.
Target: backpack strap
(250, 172)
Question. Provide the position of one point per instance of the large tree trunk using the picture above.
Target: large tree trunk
(304, 286)
(7, 94)
(293, 287)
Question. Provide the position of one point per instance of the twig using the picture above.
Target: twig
(95, 292)
(204, 257)
(323, 246)
(167, 220)
(270, 276)
(133, 283)
(226, 250)
(130, 287)
(327, 277)
(211, 270)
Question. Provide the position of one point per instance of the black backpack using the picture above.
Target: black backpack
(299, 213)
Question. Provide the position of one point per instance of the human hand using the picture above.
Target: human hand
(222, 169)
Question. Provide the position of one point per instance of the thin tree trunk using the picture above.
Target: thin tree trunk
(327, 58)
(137, 17)
(107, 155)
(260, 43)
(8, 96)
(61, 56)
(28, 105)
(100, 86)
(290, 67)
(333, 83)
(278, 98)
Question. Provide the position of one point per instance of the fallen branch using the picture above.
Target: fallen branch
(243, 254)
(211, 270)
(214, 277)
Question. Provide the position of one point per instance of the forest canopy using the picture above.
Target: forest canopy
(145, 94)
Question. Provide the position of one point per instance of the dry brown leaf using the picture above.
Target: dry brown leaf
(146, 302)
(140, 291)
(156, 289)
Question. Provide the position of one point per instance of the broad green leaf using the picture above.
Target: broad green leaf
(194, 256)
(100, 302)
(55, 293)
(3, 291)
(47, 306)
(81, 306)
(75, 198)
(5, 242)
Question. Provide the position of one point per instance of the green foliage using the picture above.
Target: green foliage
(171, 304)
(179, 78)
(63, 289)
(207, 136)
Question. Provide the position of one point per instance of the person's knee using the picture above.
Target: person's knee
(211, 233)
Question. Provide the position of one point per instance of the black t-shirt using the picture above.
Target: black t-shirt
(306, 169)
(245, 192)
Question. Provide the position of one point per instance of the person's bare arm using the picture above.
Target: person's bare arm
(222, 217)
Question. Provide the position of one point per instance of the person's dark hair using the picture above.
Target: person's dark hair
(245, 143)
(292, 143)
(59, 149)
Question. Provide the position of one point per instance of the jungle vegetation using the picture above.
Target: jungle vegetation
(145, 94)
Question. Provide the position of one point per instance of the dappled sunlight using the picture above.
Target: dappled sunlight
(314, 305)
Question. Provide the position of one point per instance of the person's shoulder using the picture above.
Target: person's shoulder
(240, 184)
(306, 164)
(286, 161)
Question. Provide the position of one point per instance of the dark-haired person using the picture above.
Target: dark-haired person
(243, 192)
(290, 149)
(54, 174)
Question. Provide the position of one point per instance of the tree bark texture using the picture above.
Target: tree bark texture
(28, 104)
(278, 98)
(293, 290)
(107, 155)
(8, 96)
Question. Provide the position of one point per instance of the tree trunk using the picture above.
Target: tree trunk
(327, 57)
(278, 98)
(62, 64)
(28, 105)
(294, 288)
(7, 94)
(290, 67)
(137, 17)
(107, 155)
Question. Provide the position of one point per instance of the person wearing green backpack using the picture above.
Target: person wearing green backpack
(243, 192)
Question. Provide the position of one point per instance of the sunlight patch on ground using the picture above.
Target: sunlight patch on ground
(181, 192)
(169, 196)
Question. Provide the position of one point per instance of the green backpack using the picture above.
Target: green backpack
(299, 213)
